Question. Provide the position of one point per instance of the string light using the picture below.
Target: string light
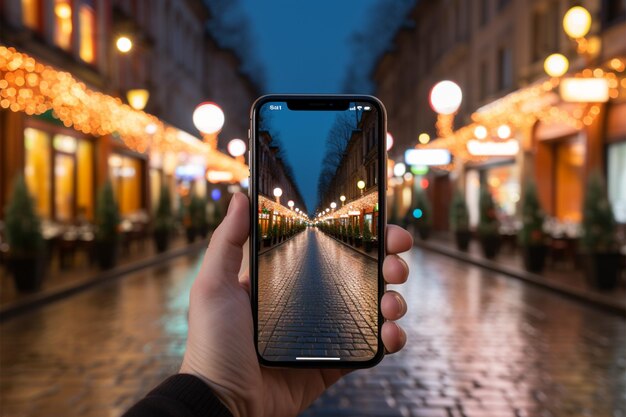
(29, 86)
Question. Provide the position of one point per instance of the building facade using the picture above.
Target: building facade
(495, 51)
(76, 43)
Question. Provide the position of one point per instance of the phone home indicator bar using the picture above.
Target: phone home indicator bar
(316, 359)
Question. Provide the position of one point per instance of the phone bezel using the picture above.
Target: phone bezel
(382, 220)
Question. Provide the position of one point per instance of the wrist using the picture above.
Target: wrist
(224, 395)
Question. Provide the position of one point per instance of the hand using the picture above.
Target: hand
(220, 347)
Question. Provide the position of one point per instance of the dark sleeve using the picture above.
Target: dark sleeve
(180, 396)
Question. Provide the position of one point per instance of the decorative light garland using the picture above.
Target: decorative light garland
(367, 201)
(29, 86)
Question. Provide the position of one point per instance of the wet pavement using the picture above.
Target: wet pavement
(317, 299)
(479, 345)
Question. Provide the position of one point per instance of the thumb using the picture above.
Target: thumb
(222, 260)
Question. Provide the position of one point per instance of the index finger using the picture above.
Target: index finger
(398, 240)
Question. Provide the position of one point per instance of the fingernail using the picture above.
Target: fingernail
(231, 204)
(401, 302)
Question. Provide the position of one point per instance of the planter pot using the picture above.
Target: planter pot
(267, 242)
(603, 270)
(358, 242)
(190, 233)
(161, 240)
(106, 254)
(368, 246)
(28, 271)
(463, 239)
(490, 245)
(534, 257)
(423, 232)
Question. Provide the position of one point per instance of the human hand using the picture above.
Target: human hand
(220, 345)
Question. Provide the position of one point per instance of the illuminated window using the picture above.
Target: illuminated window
(37, 169)
(126, 178)
(63, 24)
(64, 175)
(87, 20)
(84, 180)
(30, 14)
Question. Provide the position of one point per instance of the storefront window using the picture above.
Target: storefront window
(37, 169)
(63, 24)
(85, 180)
(568, 180)
(87, 20)
(504, 186)
(155, 187)
(64, 166)
(30, 14)
(617, 180)
(125, 174)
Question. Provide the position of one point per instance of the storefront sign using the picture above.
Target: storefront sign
(491, 148)
(219, 176)
(354, 213)
(189, 172)
(585, 90)
(427, 157)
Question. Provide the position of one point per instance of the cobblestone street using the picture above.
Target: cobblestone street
(317, 298)
(478, 345)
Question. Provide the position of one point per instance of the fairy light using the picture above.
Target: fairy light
(29, 86)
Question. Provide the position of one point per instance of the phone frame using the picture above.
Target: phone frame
(382, 217)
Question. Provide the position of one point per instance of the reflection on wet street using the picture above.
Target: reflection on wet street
(478, 345)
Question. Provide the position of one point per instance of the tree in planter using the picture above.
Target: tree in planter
(275, 233)
(367, 238)
(358, 235)
(598, 238)
(531, 237)
(107, 224)
(23, 232)
(163, 221)
(350, 234)
(423, 221)
(459, 221)
(488, 224)
(199, 216)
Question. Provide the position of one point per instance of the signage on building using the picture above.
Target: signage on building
(189, 172)
(584, 90)
(493, 148)
(427, 157)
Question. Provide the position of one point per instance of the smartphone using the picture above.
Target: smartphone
(317, 192)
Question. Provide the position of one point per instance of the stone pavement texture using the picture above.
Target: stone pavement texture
(317, 298)
(479, 344)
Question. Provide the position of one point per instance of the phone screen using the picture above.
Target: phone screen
(319, 219)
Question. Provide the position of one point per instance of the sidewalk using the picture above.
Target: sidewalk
(60, 283)
(566, 280)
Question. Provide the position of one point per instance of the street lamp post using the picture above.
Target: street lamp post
(209, 118)
(277, 193)
(237, 148)
(360, 185)
(445, 100)
(342, 199)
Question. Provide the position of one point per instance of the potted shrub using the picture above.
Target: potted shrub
(200, 222)
(531, 237)
(488, 224)
(367, 239)
(267, 239)
(26, 259)
(598, 239)
(163, 222)
(107, 224)
(422, 215)
(358, 237)
(459, 221)
(275, 234)
(349, 234)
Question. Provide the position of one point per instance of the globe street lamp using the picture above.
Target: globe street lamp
(577, 22)
(342, 199)
(360, 185)
(290, 203)
(333, 205)
(237, 148)
(445, 99)
(556, 65)
(138, 98)
(277, 193)
(124, 44)
(208, 118)
(389, 142)
(480, 132)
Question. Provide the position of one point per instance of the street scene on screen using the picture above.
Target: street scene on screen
(317, 281)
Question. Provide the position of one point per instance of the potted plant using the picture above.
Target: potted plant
(531, 237)
(422, 215)
(26, 258)
(350, 234)
(488, 224)
(598, 240)
(459, 221)
(163, 222)
(107, 224)
(367, 239)
(275, 234)
(358, 237)
(200, 222)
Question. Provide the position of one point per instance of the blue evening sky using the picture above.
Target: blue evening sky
(305, 47)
